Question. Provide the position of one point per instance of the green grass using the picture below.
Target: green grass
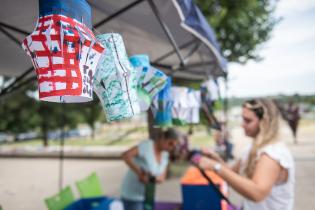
(122, 136)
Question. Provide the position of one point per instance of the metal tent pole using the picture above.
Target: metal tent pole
(129, 6)
(166, 30)
(13, 28)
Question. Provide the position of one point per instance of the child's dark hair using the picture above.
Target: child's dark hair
(170, 133)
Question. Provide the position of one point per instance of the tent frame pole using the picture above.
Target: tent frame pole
(18, 30)
(167, 31)
(12, 85)
(183, 46)
(10, 36)
(119, 12)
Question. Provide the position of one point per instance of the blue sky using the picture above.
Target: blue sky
(289, 56)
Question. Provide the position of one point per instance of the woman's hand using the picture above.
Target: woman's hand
(160, 179)
(143, 177)
(211, 154)
(207, 163)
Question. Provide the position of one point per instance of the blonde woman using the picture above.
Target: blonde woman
(265, 175)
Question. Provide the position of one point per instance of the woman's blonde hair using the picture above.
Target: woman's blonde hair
(269, 116)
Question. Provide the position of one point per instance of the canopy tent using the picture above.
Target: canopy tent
(174, 33)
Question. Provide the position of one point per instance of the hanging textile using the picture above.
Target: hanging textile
(64, 51)
(211, 88)
(210, 95)
(180, 105)
(141, 63)
(115, 81)
(194, 103)
(186, 105)
(162, 106)
(150, 80)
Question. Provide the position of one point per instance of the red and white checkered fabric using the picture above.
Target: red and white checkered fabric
(65, 54)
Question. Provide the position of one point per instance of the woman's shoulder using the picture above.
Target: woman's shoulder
(277, 147)
(146, 142)
(144, 146)
(280, 153)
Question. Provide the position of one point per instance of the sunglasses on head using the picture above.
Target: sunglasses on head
(256, 107)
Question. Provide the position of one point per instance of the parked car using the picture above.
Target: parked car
(4, 137)
(27, 136)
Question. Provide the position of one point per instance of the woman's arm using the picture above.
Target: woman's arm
(236, 166)
(213, 155)
(162, 177)
(259, 186)
(128, 158)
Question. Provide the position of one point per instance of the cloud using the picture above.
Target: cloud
(285, 7)
(288, 66)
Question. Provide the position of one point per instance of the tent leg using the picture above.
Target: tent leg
(62, 142)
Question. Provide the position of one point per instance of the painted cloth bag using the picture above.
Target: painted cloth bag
(150, 80)
(64, 51)
(115, 81)
(162, 106)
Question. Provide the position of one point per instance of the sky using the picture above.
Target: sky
(288, 66)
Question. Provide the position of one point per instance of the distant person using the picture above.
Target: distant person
(223, 145)
(264, 176)
(293, 118)
(148, 159)
(225, 135)
(182, 149)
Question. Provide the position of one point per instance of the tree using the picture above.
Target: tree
(241, 26)
(57, 116)
(91, 113)
(15, 119)
(22, 113)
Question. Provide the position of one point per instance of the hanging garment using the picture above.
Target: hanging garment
(212, 89)
(186, 105)
(180, 106)
(64, 52)
(115, 81)
(194, 104)
(162, 106)
(150, 80)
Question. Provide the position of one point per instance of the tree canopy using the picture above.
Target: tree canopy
(241, 26)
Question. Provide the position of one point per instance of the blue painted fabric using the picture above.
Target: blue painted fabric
(150, 80)
(79, 10)
(162, 106)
